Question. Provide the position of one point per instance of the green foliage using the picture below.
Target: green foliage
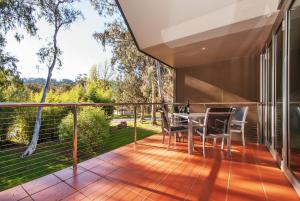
(12, 90)
(6, 118)
(96, 92)
(18, 131)
(14, 14)
(92, 92)
(11, 86)
(21, 129)
(42, 81)
(17, 124)
(105, 7)
(59, 15)
(93, 128)
(136, 72)
(53, 156)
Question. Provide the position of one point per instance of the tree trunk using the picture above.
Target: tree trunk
(153, 107)
(36, 132)
(160, 90)
(35, 137)
(142, 118)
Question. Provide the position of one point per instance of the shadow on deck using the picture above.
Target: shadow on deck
(148, 171)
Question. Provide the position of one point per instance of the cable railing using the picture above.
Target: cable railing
(71, 133)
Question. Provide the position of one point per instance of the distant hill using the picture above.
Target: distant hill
(42, 81)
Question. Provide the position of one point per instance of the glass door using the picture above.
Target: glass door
(269, 95)
(294, 90)
(264, 65)
(278, 115)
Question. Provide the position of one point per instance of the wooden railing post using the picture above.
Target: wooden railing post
(135, 129)
(75, 138)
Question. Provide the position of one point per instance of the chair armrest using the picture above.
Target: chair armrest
(233, 122)
(199, 126)
(195, 122)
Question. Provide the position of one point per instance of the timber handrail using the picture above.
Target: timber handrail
(16, 104)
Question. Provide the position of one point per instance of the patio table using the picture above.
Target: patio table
(191, 117)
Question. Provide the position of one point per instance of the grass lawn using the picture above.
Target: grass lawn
(53, 156)
(118, 116)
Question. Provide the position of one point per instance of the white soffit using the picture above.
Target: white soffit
(155, 22)
(163, 28)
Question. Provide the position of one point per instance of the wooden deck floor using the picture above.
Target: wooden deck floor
(148, 171)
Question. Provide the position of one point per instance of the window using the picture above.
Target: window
(294, 88)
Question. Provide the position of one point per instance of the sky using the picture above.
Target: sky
(80, 49)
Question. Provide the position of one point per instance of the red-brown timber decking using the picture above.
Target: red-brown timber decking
(148, 171)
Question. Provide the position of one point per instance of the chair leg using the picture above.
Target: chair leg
(243, 137)
(169, 140)
(228, 146)
(175, 137)
(222, 145)
(215, 142)
(180, 137)
(203, 146)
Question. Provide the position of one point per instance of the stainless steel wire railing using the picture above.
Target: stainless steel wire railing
(71, 133)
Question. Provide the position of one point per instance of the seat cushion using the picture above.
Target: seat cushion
(211, 130)
(178, 128)
(236, 127)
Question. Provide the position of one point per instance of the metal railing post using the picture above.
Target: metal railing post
(75, 137)
(259, 124)
(135, 130)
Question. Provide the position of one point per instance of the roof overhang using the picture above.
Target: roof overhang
(195, 32)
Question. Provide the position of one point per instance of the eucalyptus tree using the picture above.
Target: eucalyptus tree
(137, 68)
(133, 64)
(59, 14)
(149, 89)
(102, 73)
(13, 14)
(105, 8)
(128, 60)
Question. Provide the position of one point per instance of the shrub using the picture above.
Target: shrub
(21, 129)
(93, 128)
(97, 93)
(6, 119)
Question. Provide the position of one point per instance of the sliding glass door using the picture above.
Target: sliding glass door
(294, 90)
(280, 94)
(264, 98)
(279, 73)
(269, 95)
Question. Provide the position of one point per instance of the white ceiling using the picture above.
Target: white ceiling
(178, 23)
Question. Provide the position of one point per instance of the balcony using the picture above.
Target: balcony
(147, 170)
(230, 53)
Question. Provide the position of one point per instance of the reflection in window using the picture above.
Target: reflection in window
(279, 91)
(294, 85)
(270, 94)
